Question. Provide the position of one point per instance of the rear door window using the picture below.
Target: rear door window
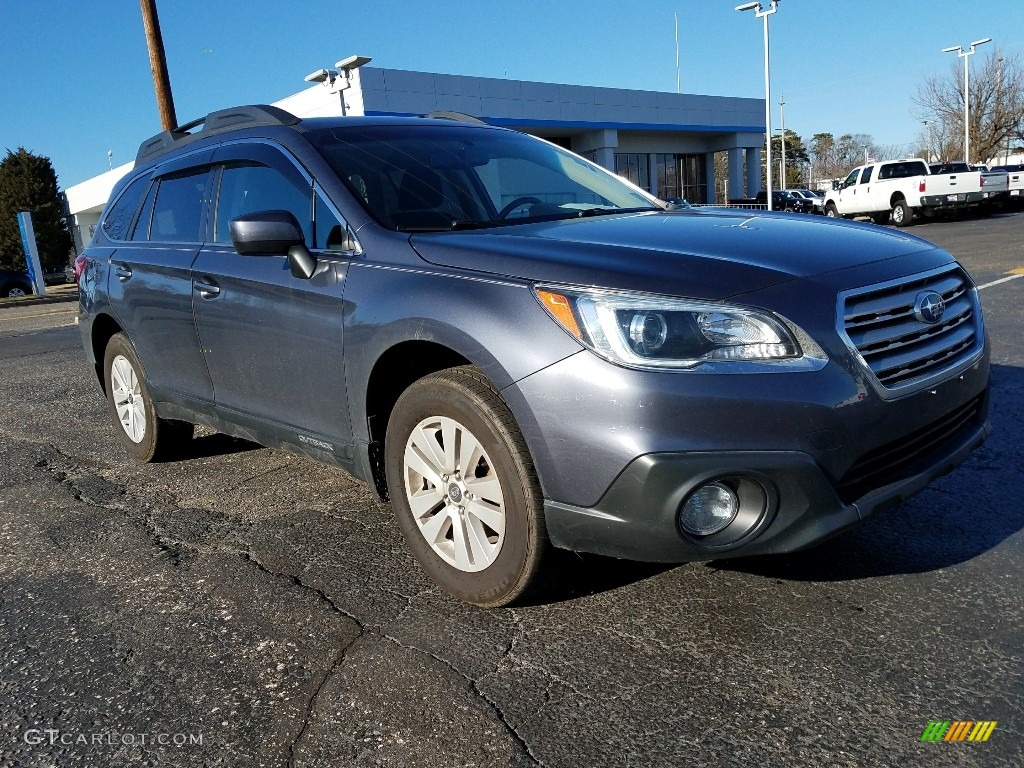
(178, 210)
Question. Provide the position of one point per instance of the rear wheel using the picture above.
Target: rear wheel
(464, 488)
(902, 214)
(144, 435)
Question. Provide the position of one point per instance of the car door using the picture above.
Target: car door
(150, 285)
(865, 191)
(273, 342)
(847, 196)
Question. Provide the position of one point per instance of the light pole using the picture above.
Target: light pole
(782, 139)
(928, 124)
(965, 55)
(340, 80)
(761, 13)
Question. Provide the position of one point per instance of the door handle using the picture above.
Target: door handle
(123, 272)
(206, 290)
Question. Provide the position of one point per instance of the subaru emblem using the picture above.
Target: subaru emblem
(929, 307)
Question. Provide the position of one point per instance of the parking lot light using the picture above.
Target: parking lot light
(965, 55)
(762, 13)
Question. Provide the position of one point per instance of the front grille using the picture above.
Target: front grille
(901, 458)
(899, 348)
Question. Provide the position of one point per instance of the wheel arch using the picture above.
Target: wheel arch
(896, 197)
(397, 368)
(103, 329)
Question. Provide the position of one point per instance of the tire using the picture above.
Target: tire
(902, 214)
(15, 290)
(880, 218)
(144, 435)
(480, 535)
(831, 211)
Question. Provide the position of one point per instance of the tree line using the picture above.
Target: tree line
(29, 183)
(996, 111)
(996, 129)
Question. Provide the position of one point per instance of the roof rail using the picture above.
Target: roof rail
(214, 123)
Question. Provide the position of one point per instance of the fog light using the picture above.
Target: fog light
(709, 509)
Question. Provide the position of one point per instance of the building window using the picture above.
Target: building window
(667, 167)
(682, 176)
(633, 167)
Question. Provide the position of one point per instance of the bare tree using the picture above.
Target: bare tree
(996, 102)
(833, 158)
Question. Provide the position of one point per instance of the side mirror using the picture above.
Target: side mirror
(836, 185)
(268, 233)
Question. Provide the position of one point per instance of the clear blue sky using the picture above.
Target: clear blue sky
(76, 79)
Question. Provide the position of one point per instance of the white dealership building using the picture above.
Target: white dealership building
(663, 142)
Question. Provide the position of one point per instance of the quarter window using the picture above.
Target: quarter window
(179, 208)
(249, 188)
(119, 218)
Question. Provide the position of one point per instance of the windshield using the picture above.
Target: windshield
(440, 177)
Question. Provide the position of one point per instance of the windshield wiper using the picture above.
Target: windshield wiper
(586, 212)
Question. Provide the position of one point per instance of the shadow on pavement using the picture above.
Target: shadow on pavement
(572, 575)
(217, 444)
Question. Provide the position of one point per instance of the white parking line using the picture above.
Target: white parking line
(999, 281)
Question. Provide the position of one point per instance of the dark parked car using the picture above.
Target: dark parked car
(784, 200)
(14, 283)
(521, 351)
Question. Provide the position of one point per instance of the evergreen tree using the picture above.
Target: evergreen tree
(29, 183)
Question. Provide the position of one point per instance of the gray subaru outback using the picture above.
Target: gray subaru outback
(522, 351)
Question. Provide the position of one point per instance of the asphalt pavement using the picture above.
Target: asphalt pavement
(243, 607)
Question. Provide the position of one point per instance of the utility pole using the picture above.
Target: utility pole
(782, 137)
(158, 64)
(678, 80)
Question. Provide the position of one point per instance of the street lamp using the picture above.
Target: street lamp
(961, 53)
(761, 13)
(340, 80)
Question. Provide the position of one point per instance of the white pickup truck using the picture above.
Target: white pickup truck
(1014, 182)
(901, 189)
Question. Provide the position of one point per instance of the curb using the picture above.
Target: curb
(28, 301)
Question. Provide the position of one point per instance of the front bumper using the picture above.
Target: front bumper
(636, 518)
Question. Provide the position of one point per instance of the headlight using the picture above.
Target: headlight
(665, 333)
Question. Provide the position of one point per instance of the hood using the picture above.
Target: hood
(699, 254)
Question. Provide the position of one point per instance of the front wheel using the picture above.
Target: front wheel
(464, 488)
(14, 291)
(144, 435)
(831, 211)
(902, 214)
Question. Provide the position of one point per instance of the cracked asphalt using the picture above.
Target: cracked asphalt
(252, 608)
